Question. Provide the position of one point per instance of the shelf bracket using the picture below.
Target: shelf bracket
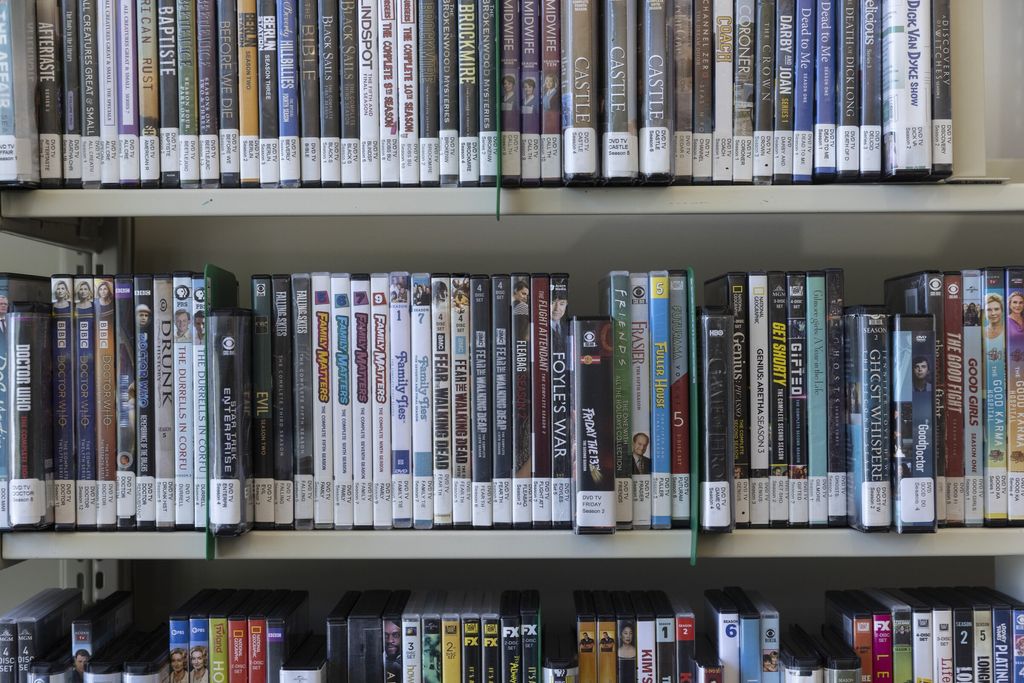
(92, 235)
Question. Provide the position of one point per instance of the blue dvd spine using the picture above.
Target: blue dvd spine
(1002, 639)
(1018, 636)
(913, 409)
(825, 94)
(661, 446)
(288, 93)
(817, 400)
(750, 649)
(803, 120)
(85, 404)
(994, 358)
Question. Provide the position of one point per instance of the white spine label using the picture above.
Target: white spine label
(875, 507)
(715, 504)
(655, 155)
(226, 507)
(27, 501)
(580, 151)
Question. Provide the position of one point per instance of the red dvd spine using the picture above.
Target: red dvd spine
(953, 322)
(540, 298)
(238, 651)
(257, 651)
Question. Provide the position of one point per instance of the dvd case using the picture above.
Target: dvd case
(590, 344)
(341, 383)
(380, 401)
(400, 354)
(231, 501)
(422, 397)
(481, 425)
(717, 511)
(302, 434)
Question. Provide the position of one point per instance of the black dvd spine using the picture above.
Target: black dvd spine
(501, 348)
(302, 402)
(71, 102)
(263, 402)
(228, 93)
(348, 77)
(532, 637)
(488, 68)
(799, 495)
(448, 90)
(835, 411)
(145, 399)
(848, 96)
(468, 93)
(522, 409)
(703, 91)
(230, 393)
(208, 91)
(590, 344)
(266, 21)
(717, 509)
(330, 95)
(428, 93)
(490, 651)
(511, 646)
(309, 88)
(561, 461)
(868, 452)
(682, 81)
(127, 401)
(730, 292)
(764, 92)
(30, 406)
(540, 399)
(64, 382)
(90, 88)
(167, 43)
(870, 66)
(785, 100)
(942, 90)
(778, 400)
(48, 92)
(281, 401)
(482, 443)
(188, 127)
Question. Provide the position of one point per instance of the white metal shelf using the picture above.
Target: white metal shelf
(510, 545)
(452, 545)
(920, 198)
(124, 545)
(817, 543)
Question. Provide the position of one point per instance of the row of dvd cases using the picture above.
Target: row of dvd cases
(614, 636)
(446, 400)
(289, 93)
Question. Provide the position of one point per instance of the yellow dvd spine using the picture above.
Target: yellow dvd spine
(607, 666)
(248, 94)
(451, 649)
